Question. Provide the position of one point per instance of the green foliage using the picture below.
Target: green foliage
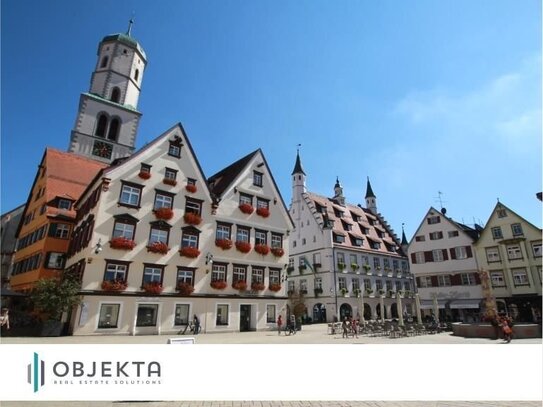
(54, 296)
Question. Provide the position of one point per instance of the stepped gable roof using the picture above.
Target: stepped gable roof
(358, 218)
(68, 175)
(220, 181)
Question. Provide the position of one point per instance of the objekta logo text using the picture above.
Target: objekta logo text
(76, 372)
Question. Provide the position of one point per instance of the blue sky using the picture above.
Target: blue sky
(421, 96)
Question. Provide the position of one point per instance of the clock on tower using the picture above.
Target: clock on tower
(101, 149)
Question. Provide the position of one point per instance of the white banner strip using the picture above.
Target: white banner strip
(271, 372)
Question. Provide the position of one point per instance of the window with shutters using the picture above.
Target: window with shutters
(467, 279)
(453, 233)
(460, 252)
(420, 238)
(437, 255)
(420, 258)
(425, 281)
(433, 220)
(436, 235)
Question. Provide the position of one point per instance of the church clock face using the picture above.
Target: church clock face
(102, 149)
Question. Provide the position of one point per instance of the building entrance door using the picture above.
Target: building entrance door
(244, 318)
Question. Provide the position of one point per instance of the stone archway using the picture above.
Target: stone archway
(367, 312)
(345, 311)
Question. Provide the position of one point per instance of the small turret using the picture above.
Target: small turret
(298, 179)
(371, 199)
(338, 193)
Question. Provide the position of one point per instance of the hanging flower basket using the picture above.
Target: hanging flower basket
(163, 213)
(264, 212)
(158, 247)
(153, 288)
(274, 287)
(218, 284)
(243, 247)
(224, 244)
(192, 218)
(122, 243)
(277, 251)
(240, 285)
(262, 249)
(246, 208)
(169, 181)
(185, 288)
(256, 286)
(114, 285)
(188, 251)
(144, 175)
(191, 188)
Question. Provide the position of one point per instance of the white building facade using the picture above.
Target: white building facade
(344, 259)
(445, 268)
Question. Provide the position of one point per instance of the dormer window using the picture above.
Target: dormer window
(64, 204)
(175, 147)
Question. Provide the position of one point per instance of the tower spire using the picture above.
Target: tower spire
(371, 199)
(298, 166)
(404, 239)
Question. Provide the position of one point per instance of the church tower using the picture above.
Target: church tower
(298, 179)
(338, 193)
(371, 199)
(107, 121)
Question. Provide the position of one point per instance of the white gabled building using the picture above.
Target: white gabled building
(343, 257)
(147, 244)
(445, 267)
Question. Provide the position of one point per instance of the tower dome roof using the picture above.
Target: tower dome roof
(126, 40)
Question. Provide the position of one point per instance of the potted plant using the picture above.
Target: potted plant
(144, 174)
(343, 291)
(262, 249)
(114, 285)
(188, 251)
(163, 213)
(244, 247)
(224, 244)
(367, 268)
(153, 287)
(381, 291)
(240, 285)
(357, 292)
(274, 287)
(158, 247)
(53, 297)
(246, 208)
(185, 288)
(191, 188)
(369, 291)
(262, 211)
(277, 251)
(218, 284)
(341, 266)
(122, 243)
(257, 286)
(169, 181)
(354, 266)
(192, 218)
(317, 290)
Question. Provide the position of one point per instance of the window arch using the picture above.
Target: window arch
(136, 74)
(104, 62)
(101, 126)
(114, 129)
(116, 95)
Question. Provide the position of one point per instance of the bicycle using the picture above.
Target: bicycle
(290, 329)
(189, 327)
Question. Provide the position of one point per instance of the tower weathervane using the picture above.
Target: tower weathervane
(130, 23)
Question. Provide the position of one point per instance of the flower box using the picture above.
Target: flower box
(188, 251)
(354, 266)
(192, 218)
(243, 247)
(158, 247)
(262, 249)
(343, 292)
(114, 285)
(341, 266)
(264, 212)
(163, 213)
(185, 288)
(369, 291)
(218, 284)
(317, 291)
(191, 188)
(256, 286)
(246, 208)
(277, 251)
(240, 285)
(122, 243)
(153, 288)
(274, 287)
(144, 175)
(224, 244)
(169, 181)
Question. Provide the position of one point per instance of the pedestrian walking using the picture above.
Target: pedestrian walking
(279, 324)
(506, 329)
(196, 324)
(345, 328)
(354, 327)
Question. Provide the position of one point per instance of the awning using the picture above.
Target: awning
(426, 304)
(465, 303)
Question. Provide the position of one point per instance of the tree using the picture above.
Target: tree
(54, 296)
